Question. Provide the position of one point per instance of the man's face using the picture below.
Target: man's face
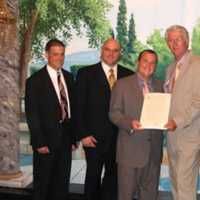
(56, 56)
(146, 65)
(110, 52)
(177, 43)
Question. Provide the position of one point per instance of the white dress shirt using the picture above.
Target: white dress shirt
(106, 69)
(54, 78)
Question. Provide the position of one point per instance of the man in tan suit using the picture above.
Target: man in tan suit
(183, 139)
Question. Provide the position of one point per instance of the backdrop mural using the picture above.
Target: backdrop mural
(84, 24)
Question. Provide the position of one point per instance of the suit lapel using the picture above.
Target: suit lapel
(137, 90)
(185, 67)
(50, 87)
(183, 71)
(101, 77)
(68, 85)
(119, 72)
(137, 96)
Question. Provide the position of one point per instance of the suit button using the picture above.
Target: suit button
(149, 139)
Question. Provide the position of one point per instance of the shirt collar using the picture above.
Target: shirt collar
(52, 71)
(183, 58)
(141, 81)
(106, 67)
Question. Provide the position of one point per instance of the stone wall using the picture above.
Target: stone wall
(9, 93)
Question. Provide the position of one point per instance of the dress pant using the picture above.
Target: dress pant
(184, 161)
(96, 187)
(142, 182)
(51, 172)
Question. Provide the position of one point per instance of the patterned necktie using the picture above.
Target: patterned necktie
(111, 78)
(63, 98)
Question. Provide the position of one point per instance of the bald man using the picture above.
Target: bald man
(96, 132)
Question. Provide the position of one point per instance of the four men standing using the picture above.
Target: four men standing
(49, 104)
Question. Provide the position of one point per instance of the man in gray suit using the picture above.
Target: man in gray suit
(183, 139)
(139, 152)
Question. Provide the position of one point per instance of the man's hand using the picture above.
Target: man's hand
(89, 141)
(171, 125)
(43, 150)
(136, 125)
(75, 146)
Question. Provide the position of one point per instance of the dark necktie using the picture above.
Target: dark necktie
(63, 98)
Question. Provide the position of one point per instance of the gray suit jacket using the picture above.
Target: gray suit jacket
(185, 102)
(133, 149)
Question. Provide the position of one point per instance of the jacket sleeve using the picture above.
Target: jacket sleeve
(73, 130)
(32, 115)
(81, 95)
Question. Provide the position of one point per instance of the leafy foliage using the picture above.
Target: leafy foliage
(62, 17)
(196, 38)
(157, 42)
(122, 36)
(74, 69)
(131, 35)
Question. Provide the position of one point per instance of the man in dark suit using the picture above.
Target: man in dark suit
(96, 132)
(139, 151)
(49, 111)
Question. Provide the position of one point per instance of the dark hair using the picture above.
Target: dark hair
(53, 42)
(148, 51)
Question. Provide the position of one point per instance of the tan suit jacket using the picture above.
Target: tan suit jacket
(184, 143)
(185, 102)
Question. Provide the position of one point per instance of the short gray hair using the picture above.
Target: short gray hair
(180, 28)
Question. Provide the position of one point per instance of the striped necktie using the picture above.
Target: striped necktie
(63, 98)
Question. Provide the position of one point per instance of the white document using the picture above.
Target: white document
(155, 110)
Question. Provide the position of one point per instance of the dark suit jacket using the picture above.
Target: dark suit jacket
(92, 104)
(43, 110)
(134, 149)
